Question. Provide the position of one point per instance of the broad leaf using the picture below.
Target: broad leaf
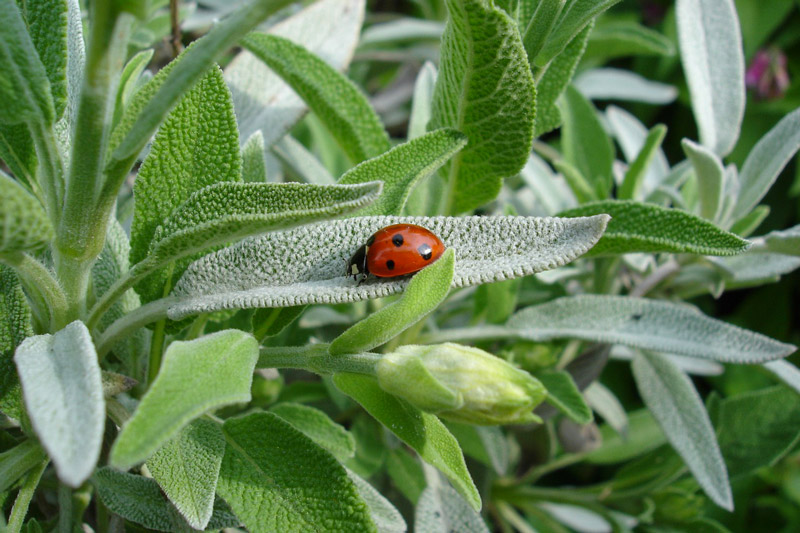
(426, 290)
(24, 224)
(64, 397)
(402, 167)
(422, 431)
(574, 18)
(15, 326)
(641, 227)
(676, 405)
(195, 377)
(484, 90)
(634, 178)
(187, 468)
(386, 517)
(441, 509)
(647, 324)
(713, 62)
(307, 265)
(317, 426)
(563, 394)
(272, 490)
(710, 176)
(336, 100)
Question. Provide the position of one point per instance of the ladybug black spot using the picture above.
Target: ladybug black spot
(425, 251)
(390, 264)
(397, 240)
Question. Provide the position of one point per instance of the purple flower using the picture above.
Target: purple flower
(767, 74)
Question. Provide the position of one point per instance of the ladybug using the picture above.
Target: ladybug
(395, 251)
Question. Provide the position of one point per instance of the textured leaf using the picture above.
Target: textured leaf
(539, 25)
(317, 426)
(678, 408)
(64, 397)
(710, 175)
(484, 90)
(307, 265)
(756, 268)
(784, 242)
(129, 79)
(24, 87)
(336, 100)
(618, 84)
(18, 152)
(254, 164)
(263, 101)
(198, 145)
(23, 223)
(195, 377)
(426, 290)
(441, 509)
(402, 167)
(386, 517)
(574, 18)
(139, 499)
(766, 161)
(634, 178)
(422, 431)
(713, 62)
(626, 38)
(555, 79)
(272, 490)
(563, 394)
(15, 326)
(647, 324)
(187, 468)
(641, 227)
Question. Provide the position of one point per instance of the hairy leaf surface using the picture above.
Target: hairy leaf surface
(23, 222)
(15, 326)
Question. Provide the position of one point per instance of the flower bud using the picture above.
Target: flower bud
(461, 383)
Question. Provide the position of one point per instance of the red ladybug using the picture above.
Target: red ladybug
(395, 251)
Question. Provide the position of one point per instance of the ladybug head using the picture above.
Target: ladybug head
(357, 265)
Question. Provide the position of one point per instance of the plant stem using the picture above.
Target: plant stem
(74, 274)
(156, 350)
(484, 333)
(174, 17)
(141, 316)
(668, 269)
(24, 496)
(261, 332)
(47, 299)
(315, 358)
(542, 470)
(197, 327)
(64, 509)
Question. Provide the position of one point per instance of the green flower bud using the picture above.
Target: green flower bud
(461, 383)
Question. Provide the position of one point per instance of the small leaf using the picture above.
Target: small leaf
(307, 265)
(647, 324)
(272, 490)
(336, 100)
(713, 62)
(766, 161)
(578, 184)
(187, 468)
(786, 372)
(751, 221)
(64, 397)
(563, 394)
(634, 178)
(386, 517)
(426, 290)
(605, 404)
(406, 473)
(24, 224)
(484, 90)
(422, 431)
(626, 38)
(674, 402)
(631, 136)
(402, 167)
(317, 426)
(18, 152)
(17, 461)
(574, 18)
(539, 26)
(618, 84)
(195, 377)
(784, 242)
(254, 164)
(442, 509)
(422, 100)
(643, 435)
(641, 227)
(15, 326)
(709, 172)
(302, 161)
(129, 80)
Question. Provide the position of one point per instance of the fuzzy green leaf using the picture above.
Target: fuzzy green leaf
(786, 372)
(484, 90)
(441, 509)
(305, 164)
(634, 178)
(24, 87)
(254, 164)
(402, 167)
(272, 490)
(647, 324)
(129, 80)
(385, 516)
(318, 427)
(422, 100)
(406, 473)
(626, 38)
(63, 394)
(422, 431)
(18, 152)
(307, 265)
(195, 377)
(426, 290)
(23, 223)
(198, 145)
(620, 84)
(538, 27)
(574, 18)
(553, 82)
(15, 326)
(187, 468)
(710, 175)
(713, 62)
(631, 136)
(784, 242)
(563, 394)
(644, 435)
(755, 268)
(676, 405)
(17, 461)
(336, 100)
(641, 227)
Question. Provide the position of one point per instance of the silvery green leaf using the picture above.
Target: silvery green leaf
(574, 18)
(563, 394)
(626, 38)
(690, 365)
(604, 403)
(713, 62)
(385, 516)
(670, 395)
(786, 372)
(24, 225)
(263, 101)
(710, 174)
(631, 134)
(765, 162)
(618, 84)
(130, 79)
(254, 163)
(550, 189)
(441, 509)
(646, 324)
(64, 397)
(76, 53)
(400, 30)
(422, 100)
(631, 185)
(305, 164)
(15, 326)
(751, 221)
(784, 242)
(307, 265)
(755, 268)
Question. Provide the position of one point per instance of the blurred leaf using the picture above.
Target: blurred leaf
(24, 224)
(18, 152)
(272, 490)
(784, 242)
(563, 394)
(709, 172)
(301, 161)
(17, 461)
(15, 326)
(786, 372)
(713, 62)
(129, 80)
(574, 18)
(755, 268)
(405, 29)
(442, 509)
(195, 377)
(642, 227)
(604, 403)
(317, 426)
(386, 517)
(486, 444)
(422, 100)
(578, 184)
(631, 136)
(626, 38)
(495, 302)
(618, 84)
(634, 178)
(643, 435)
(406, 473)
(750, 222)
(254, 164)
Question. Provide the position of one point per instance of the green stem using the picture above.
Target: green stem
(141, 316)
(463, 335)
(315, 358)
(15, 462)
(537, 472)
(263, 328)
(64, 509)
(24, 496)
(605, 269)
(75, 275)
(197, 327)
(47, 298)
(156, 350)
